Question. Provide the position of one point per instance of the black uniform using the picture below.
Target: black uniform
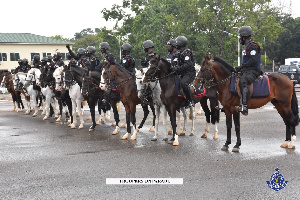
(186, 68)
(110, 58)
(128, 63)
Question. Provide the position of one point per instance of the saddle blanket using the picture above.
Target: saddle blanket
(261, 89)
(198, 93)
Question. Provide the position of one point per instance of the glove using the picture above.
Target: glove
(68, 46)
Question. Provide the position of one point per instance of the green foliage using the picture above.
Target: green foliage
(59, 37)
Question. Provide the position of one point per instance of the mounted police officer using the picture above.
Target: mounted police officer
(128, 61)
(57, 58)
(148, 46)
(93, 61)
(20, 66)
(36, 62)
(172, 51)
(80, 57)
(25, 67)
(250, 67)
(185, 67)
(104, 46)
(51, 63)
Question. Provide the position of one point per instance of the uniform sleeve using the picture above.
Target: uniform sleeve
(253, 51)
(72, 54)
(187, 63)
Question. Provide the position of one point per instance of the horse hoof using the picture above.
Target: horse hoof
(45, 118)
(97, 122)
(284, 144)
(224, 148)
(34, 115)
(175, 143)
(234, 149)
(123, 126)
(92, 128)
(73, 126)
(58, 120)
(113, 124)
(43, 113)
(165, 139)
(180, 134)
(204, 135)
(291, 147)
(125, 136)
(116, 131)
(102, 122)
(80, 127)
(170, 132)
(89, 118)
(216, 137)
(191, 134)
(151, 129)
(154, 138)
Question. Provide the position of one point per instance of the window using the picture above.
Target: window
(46, 54)
(33, 54)
(283, 68)
(3, 57)
(64, 56)
(293, 68)
(14, 56)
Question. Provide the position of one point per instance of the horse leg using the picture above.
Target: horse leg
(236, 118)
(14, 102)
(47, 108)
(165, 113)
(80, 113)
(27, 98)
(174, 139)
(182, 132)
(74, 114)
(193, 121)
(215, 115)
(116, 117)
(100, 113)
(60, 106)
(92, 105)
(156, 123)
(154, 117)
(128, 123)
(203, 103)
(133, 121)
(229, 126)
(146, 113)
(35, 104)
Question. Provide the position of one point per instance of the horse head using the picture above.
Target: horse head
(139, 81)
(58, 76)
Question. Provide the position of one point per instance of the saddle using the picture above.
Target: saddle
(260, 88)
(194, 91)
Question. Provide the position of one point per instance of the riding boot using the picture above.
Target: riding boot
(188, 95)
(245, 98)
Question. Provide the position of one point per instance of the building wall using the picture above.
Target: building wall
(25, 51)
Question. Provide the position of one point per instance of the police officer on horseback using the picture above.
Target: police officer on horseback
(93, 61)
(52, 64)
(148, 46)
(250, 68)
(185, 67)
(23, 66)
(80, 57)
(127, 60)
(57, 58)
(108, 57)
(36, 62)
(172, 51)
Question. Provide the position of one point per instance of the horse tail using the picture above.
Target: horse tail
(294, 106)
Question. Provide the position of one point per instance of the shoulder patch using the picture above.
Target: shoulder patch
(124, 60)
(186, 58)
(253, 52)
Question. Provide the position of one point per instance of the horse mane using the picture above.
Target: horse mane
(226, 66)
(122, 69)
(166, 62)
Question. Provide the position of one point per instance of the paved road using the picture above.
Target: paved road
(44, 160)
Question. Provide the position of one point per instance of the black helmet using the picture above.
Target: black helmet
(36, 57)
(172, 43)
(49, 58)
(58, 55)
(148, 44)
(45, 59)
(81, 51)
(126, 47)
(104, 45)
(181, 41)
(25, 60)
(91, 49)
(246, 31)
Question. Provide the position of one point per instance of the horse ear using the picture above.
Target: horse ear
(206, 60)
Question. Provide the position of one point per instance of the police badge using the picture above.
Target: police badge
(277, 181)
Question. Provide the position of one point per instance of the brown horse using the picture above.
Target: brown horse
(126, 85)
(217, 74)
(7, 82)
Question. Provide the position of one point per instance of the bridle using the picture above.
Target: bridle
(118, 84)
(152, 76)
(209, 81)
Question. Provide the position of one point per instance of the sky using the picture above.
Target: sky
(66, 17)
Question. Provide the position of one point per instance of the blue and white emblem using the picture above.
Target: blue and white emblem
(187, 58)
(253, 52)
(277, 181)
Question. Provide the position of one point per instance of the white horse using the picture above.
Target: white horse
(49, 99)
(76, 97)
(156, 91)
(32, 75)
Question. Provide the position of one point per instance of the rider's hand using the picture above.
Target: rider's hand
(68, 46)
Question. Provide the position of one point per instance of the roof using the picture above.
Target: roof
(29, 38)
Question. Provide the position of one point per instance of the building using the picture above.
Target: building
(14, 46)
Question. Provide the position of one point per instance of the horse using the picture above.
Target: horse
(125, 84)
(46, 82)
(159, 106)
(217, 74)
(93, 93)
(71, 83)
(62, 94)
(160, 69)
(212, 115)
(7, 82)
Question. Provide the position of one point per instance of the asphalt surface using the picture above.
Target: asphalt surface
(47, 160)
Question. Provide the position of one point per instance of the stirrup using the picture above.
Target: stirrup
(191, 104)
